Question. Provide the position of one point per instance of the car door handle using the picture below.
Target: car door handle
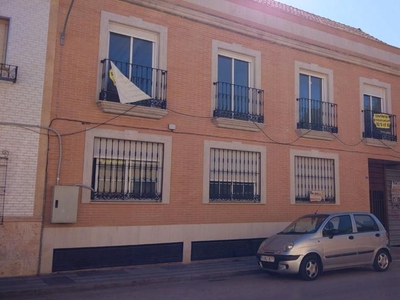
(351, 237)
(377, 235)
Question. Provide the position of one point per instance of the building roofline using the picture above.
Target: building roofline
(316, 18)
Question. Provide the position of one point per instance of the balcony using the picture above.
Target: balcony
(380, 126)
(238, 102)
(8, 72)
(317, 115)
(151, 81)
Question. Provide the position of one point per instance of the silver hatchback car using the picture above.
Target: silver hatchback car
(321, 242)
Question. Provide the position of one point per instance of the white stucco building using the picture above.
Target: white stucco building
(25, 61)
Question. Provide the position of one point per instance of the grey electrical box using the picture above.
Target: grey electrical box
(65, 204)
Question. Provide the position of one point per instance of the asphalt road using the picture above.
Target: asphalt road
(360, 283)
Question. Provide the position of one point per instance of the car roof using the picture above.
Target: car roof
(338, 213)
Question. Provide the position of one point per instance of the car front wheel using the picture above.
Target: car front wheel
(382, 261)
(310, 268)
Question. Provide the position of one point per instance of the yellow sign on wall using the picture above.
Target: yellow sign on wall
(382, 121)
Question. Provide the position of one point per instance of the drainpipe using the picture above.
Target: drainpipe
(65, 23)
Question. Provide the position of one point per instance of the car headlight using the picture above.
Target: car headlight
(288, 247)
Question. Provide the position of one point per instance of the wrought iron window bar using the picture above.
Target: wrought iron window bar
(125, 170)
(151, 81)
(317, 115)
(239, 102)
(314, 174)
(8, 72)
(235, 176)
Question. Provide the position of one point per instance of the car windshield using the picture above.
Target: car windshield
(306, 224)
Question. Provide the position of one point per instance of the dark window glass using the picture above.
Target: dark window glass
(142, 59)
(365, 223)
(224, 69)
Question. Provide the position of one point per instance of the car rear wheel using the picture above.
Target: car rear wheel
(382, 261)
(310, 268)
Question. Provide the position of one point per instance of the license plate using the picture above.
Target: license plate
(267, 258)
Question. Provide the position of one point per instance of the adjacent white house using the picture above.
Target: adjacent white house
(24, 88)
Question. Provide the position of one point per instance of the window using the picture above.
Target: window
(233, 85)
(3, 39)
(378, 123)
(316, 110)
(236, 76)
(138, 49)
(315, 177)
(234, 173)
(127, 170)
(310, 101)
(338, 225)
(365, 223)
(7, 72)
(127, 166)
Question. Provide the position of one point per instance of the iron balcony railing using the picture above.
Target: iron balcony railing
(238, 102)
(8, 72)
(380, 126)
(151, 81)
(317, 115)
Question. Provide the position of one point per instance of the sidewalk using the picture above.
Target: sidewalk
(15, 287)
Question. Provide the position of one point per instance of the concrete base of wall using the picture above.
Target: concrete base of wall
(83, 237)
(19, 247)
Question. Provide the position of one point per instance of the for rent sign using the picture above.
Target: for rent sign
(382, 123)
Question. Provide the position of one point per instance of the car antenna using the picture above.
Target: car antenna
(318, 208)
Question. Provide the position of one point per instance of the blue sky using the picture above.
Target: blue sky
(379, 18)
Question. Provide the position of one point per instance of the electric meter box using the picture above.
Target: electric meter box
(65, 204)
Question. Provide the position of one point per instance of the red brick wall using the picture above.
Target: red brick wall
(189, 92)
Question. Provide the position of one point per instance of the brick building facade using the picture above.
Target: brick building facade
(255, 113)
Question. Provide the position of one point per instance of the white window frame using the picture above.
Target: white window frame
(208, 144)
(312, 154)
(235, 51)
(131, 136)
(313, 70)
(374, 87)
(134, 27)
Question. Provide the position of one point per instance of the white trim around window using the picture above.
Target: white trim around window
(382, 90)
(134, 27)
(314, 154)
(327, 94)
(235, 51)
(317, 71)
(239, 52)
(232, 146)
(128, 135)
